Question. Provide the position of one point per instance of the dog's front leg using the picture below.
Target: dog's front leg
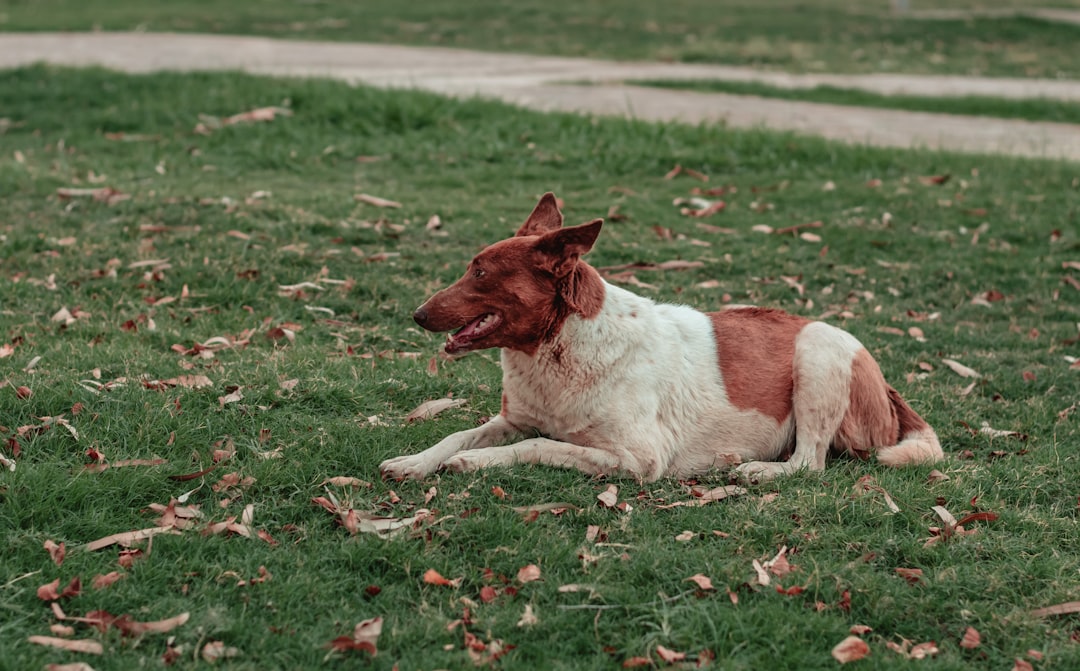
(545, 451)
(493, 432)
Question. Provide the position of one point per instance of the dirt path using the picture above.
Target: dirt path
(541, 82)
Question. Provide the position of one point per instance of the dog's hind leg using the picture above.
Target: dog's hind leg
(493, 432)
(821, 374)
(591, 460)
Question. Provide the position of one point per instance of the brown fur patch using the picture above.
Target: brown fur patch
(871, 418)
(756, 347)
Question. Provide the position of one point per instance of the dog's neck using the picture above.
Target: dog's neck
(583, 291)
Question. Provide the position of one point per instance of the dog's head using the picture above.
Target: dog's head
(518, 292)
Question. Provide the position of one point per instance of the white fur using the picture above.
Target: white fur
(636, 389)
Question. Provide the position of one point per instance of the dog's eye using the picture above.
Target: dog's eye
(478, 273)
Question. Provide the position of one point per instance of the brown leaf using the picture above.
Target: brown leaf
(1022, 665)
(779, 565)
(127, 538)
(56, 552)
(528, 618)
(347, 481)
(88, 646)
(959, 368)
(609, 497)
(762, 577)
(128, 626)
(850, 649)
(635, 662)
(105, 194)
(188, 381)
(971, 639)
(528, 573)
(674, 172)
(716, 206)
(912, 575)
(668, 655)
(429, 409)
(937, 476)
(860, 629)
(923, 650)
(702, 581)
(1058, 609)
(257, 114)
(432, 577)
(934, 180)
(102, 581)
(375, 200)
(215, 650)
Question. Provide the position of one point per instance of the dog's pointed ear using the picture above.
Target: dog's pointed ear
(566, 245)
(545, 217)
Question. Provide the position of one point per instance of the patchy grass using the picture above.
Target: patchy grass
(831, 36)
(200, 250)
(1037, 109)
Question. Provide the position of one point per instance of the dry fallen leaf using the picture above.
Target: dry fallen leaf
(609, 497)
(1058, 609)
(959, 368)
(971, 639)
(668, 655)
(702, 581)
(215, 650)
(88, 646)
(127, 538)
(375, 200)
(56, 552)
(103, 581)
(528, 573)
(1022, 665)
(432, 577)
(429, 409)
(528, 618)
(685, 536)
(850, 649)
(762, 577)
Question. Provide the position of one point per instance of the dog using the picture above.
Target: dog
(600, 379)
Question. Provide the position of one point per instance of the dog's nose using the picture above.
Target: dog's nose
(421, 316)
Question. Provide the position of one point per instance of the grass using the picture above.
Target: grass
(832, 36)
(1037, 109)
(890, 255)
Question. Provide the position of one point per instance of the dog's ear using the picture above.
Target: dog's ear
(565, 246)
(545, 217)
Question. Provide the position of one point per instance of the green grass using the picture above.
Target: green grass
(1038, 109)
(480, 166)
(833, 36)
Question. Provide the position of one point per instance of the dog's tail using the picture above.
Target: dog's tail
(918, 442)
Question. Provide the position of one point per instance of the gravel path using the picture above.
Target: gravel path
(541, 82)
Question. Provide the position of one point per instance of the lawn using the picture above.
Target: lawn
(228, 315)
(823, 36)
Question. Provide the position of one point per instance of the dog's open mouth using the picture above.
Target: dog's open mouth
(471, 332)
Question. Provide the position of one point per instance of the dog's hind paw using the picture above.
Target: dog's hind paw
(760, 471)
(408, 466)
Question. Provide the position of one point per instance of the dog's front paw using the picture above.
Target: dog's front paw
(412, 466)
(460, 462)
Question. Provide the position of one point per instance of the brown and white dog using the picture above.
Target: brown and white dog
(605, 381)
